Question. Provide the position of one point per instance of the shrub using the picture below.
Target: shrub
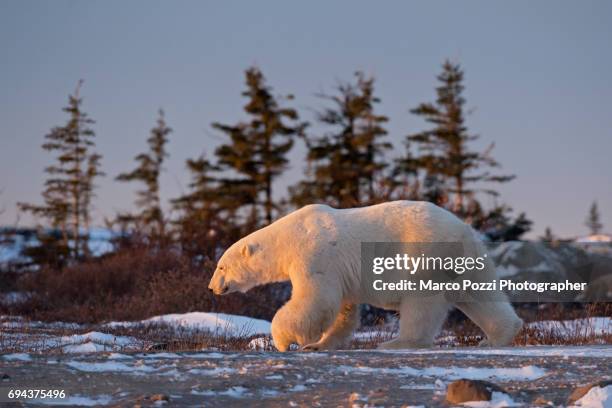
(134, 284)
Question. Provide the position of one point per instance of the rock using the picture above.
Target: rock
(159, 397)
(464, 390)
(543, 262)
(580, 392)
(599, 290)
(542, 401)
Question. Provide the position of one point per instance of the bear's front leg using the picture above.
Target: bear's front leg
(306, 316)
(340, 331)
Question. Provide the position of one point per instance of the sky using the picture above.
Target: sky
(538, 85)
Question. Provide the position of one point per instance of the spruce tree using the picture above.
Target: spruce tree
(207, 214)
(548, 235)
(346, 163)
(445, 153)
(593, 221)
(147, 172)
(70, 186)
(257, 149)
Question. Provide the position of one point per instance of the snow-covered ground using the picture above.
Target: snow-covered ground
(217, 323)
(14, 241)
(20, 335)
(593, 325)
(355, 378)
(40, 336)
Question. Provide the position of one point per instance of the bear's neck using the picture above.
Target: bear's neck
(277, 243)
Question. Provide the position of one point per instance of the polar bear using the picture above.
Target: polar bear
(318, 249)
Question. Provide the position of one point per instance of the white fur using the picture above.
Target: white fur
(318, 248)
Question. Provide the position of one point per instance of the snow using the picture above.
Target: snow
(453, 373)
(97, 337)
(593, 325)
(17, 357)
(597, 397)
(217, 371)
(595, 238)
(93, 342)
(78, 400)
(234, 392)
(13, 298)
(109, 366)
(529, 351)
(498, 400)
(218, 323)
(14, 241)
(261, 344)
(118, 356)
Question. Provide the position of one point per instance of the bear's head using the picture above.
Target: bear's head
(239, 269)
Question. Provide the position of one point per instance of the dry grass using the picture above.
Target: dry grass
(133, 284)
(34, 337)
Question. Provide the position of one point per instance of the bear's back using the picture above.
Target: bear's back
(400, 221)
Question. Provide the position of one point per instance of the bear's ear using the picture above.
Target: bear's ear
(248, 249)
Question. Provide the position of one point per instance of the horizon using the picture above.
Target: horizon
(537, 83)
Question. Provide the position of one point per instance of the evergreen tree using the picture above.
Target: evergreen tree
(208, 213)
(148, 172)
(345, 165)
(497, 224)
(257, 150)
(548, 235)
(70, 187)
(593, 221)
(445, 152)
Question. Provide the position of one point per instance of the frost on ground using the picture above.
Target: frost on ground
(195, 331)
(453, 373)
(117, 358)
(586, 326)
(357, 378)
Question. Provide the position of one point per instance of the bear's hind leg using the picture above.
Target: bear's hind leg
(341, 329)
(420, 321)
(496, 319)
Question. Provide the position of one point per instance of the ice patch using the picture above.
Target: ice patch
(234, 392)
(78, 401)
(452, 373)
(17, 357)
(118, 356)
(529, 351)
(160, 355)
(110, 366)
(213, 371)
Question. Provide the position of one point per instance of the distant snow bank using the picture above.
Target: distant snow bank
(217, 323)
